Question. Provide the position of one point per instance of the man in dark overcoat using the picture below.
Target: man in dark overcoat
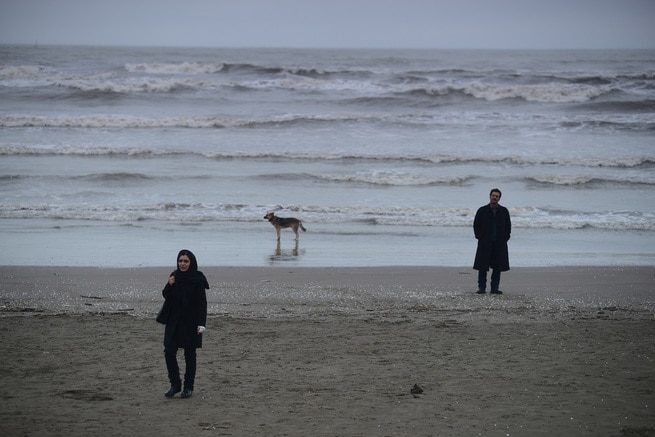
(492, 227)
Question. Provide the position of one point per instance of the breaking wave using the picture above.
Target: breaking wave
(617, 162)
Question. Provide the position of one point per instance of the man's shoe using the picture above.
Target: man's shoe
(480, 291)
(496, 292)
(172, 392)
(186, 393)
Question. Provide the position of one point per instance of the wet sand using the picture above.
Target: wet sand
(333, 351)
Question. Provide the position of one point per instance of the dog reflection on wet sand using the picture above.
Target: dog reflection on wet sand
(285, 254)
(280, 223)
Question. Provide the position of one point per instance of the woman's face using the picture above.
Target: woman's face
(183, 263)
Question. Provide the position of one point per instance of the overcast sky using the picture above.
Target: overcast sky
(535, 24)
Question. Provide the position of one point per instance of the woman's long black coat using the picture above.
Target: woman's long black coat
(482, 227)
(188, 302)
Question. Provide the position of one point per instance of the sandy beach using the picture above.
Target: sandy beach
(334, 352)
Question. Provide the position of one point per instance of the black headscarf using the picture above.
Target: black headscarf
(193, 274)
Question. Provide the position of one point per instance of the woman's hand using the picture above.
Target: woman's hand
(171, 280)
(201, 329)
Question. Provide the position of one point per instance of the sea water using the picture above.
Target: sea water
(122, 156)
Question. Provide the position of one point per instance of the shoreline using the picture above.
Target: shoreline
(252, 244)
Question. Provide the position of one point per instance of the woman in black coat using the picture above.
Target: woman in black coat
(492, 227)
(187, 302)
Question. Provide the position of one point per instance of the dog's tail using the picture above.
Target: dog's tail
(302, 227)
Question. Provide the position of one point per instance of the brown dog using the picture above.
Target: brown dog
(280, 223)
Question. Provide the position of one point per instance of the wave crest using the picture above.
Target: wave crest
(617, 162)
(176, 68)
(544, 93)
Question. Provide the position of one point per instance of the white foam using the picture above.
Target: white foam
(175, 68)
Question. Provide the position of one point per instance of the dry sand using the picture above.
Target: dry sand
(333, 352)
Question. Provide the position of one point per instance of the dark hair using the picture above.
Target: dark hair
(193, 265)
(497, 191)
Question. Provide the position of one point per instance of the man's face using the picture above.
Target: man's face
(494, 197)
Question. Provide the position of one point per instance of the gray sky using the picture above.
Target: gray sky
(535, 24)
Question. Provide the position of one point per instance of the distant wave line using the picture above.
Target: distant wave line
(573, 181)
(181, 122)
(618, 162)
(541, 93)
(633, 122)
(373, 178)
(487, 85)
(186, 68)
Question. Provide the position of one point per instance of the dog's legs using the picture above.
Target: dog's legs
(278, 233)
